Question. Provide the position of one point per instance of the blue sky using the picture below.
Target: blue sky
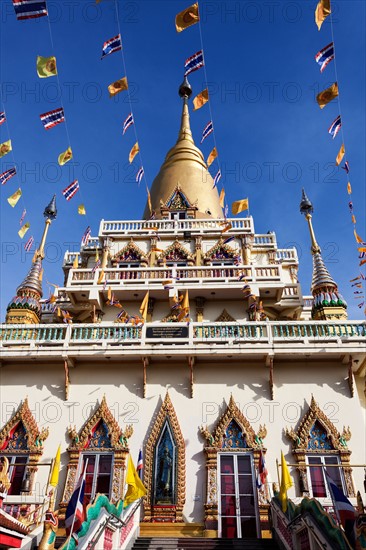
(271, 135)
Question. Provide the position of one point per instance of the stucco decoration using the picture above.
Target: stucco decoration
(172, 512)
(220, 251)
(130, 253)
(176, 253)
(21, 435)
(225, 317)
(316, 434)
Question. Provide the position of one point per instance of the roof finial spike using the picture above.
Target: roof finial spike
(307, 209)
(185, 92)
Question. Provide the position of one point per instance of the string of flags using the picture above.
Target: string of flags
(323, 58)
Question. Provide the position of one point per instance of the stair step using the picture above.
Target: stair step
(199, 543)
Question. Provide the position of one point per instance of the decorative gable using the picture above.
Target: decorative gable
(176, 253)
(130, 253)
(225, 317)
(178, 200)
(21, 433)
(220, 251)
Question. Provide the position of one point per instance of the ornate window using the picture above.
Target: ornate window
(318, 442)
(104, 445)
(165, 467)
(130, 256)
(21, 442)
(233, 449)
(222, 254)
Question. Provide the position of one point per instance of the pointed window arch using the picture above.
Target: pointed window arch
(176, 254)
(103, 444)
(165, 467)
(130, 255)
(21, 442)
(317, 443)
(221, 254)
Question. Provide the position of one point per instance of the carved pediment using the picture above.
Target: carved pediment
(130, 253)
(234, 431)
(176, 253)
(317, 433)
(225, 317)
(101, 432)
(21, 433)
(220, 251)
(178, 200)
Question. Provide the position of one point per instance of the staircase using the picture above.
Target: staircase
(198, 543)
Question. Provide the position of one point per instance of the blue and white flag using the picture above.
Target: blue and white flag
(5, 176)
(2, 117)
(207, 131)
(29, 9)
(112, 45)
(140, 175)
(325, 56)
(52, 118)
(127, 123)
(194, 63)
(335, 126)
(70, 190)
(217, 178)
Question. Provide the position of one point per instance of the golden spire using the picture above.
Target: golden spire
(328, 302)
(185, 168)
(25, 306)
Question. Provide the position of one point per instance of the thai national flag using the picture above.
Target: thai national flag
(344, 509)
(52, 118)
(75, 513)
(28, 245)
(207, 130)
(262, 471)
(346, 167)
(5, 176)
(112, 45)
(2, 117)
(325, 56)
(140, 175)
(29, 9)
(194, 63)
(70, 191)
(335, 126)
(217, 178)
(97, 265)
(85, 238)
(22, 216)
(140, 464)
(127, 123)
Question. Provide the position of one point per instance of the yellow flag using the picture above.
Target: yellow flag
(239, 206)
(353, 218)
(75, 263)
(144, 305)
(187, 17)
(326, 96)
(185, 303)
(357, 237)
(118, 86)
(149, 200)
(100, 279)
(212, 156)
(81, 210)
(22, 231)
(96, 255)
(200, 100)
(321, 12)
(56, 468)
(5, 147)
(65, 156)
(40, 277)
(46, 66)
(13, 199)
(286, 483)
(349, 188)
(340, 155)
(135, 488)
(222, 198)
(135, 149)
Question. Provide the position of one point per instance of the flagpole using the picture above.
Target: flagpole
(73, 519)
(278, 473)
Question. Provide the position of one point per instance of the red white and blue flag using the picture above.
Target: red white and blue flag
(2, 117)
(140, 464)
(343, 508)
(22, 216)
(29, 9)
(127, 123)
(85, 238)
(70, 191)
(75, 513)
(97, 265)
(217, 178)
(112, 45)
(5, 176)
(208, 129)
(262, 471)
(325, 56)
(28, 245)
(140, 175)
(335, 126)
(194, 63)
(346, 167)
(52, 118)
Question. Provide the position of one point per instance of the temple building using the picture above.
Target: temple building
(185, 335)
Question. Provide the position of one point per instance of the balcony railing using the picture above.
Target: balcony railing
(268, 333)
(243, 225)
(149, 275)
